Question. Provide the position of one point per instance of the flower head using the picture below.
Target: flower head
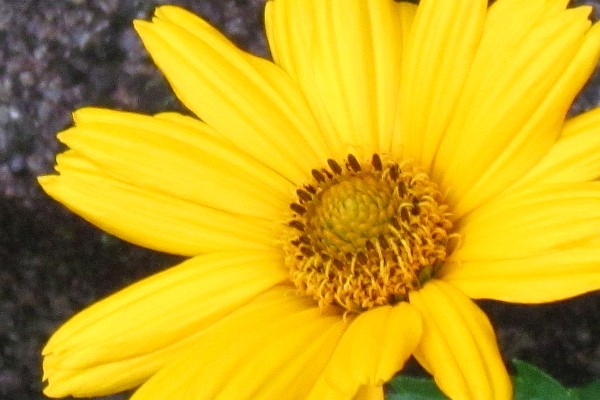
(340, 206)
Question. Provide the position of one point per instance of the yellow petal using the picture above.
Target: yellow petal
(524, 15)
(374, 347)
(288, 25)
(576, 155)
(405, 12)
(530, 222)
(273, 348)
(149, 218)
(357, 71)
(459, 346)
(351, 76)
(369, 392)
(190, 122)
(439, 53)
(552, 276)
(176, 159)
(118, 342)
(513, 104)
(248, 100)
(99, 380)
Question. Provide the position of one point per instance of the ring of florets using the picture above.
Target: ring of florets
(365, 234)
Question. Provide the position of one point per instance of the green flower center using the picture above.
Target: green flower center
(366, 234)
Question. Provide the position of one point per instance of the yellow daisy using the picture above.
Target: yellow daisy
(340, 206)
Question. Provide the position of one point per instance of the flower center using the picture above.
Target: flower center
(366, 234)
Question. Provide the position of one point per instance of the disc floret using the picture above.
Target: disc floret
(365, 234)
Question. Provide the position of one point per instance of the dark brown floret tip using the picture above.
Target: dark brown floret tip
(303, 195)
(394, 172)
(404, 215)
(335, 167)
(401, 189)
(376, 162)
(304, 239)
(361, 258)
(311, 189)
(297, 208)
(369, 246)
(297, 225)
(382, 242)
(318, 175)
(307, 252)
(353, 163)
(415, 209)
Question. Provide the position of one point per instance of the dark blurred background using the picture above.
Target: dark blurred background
(56, 56)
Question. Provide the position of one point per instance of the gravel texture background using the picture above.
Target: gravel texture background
(59, 55)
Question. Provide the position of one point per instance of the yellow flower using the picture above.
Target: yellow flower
(340, 206)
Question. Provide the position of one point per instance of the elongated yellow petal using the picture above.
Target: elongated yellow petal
(150, 218)
(438, 57)
(118, 342)
(530, 222)
(357, 70)
(272, 348)
(548, 116)
(248, 100)
(458, 345)
(374, 347)
(350, 76)
(523, 15)
(405, 12)
(575, 157)
(287, 96)
(369, 392)
(513, 103)
(99, 380)
(552, 276)
(176, 159)
(289, 27)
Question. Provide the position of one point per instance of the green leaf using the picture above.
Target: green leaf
(404, 387)
(532, 383)
(589, 392)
